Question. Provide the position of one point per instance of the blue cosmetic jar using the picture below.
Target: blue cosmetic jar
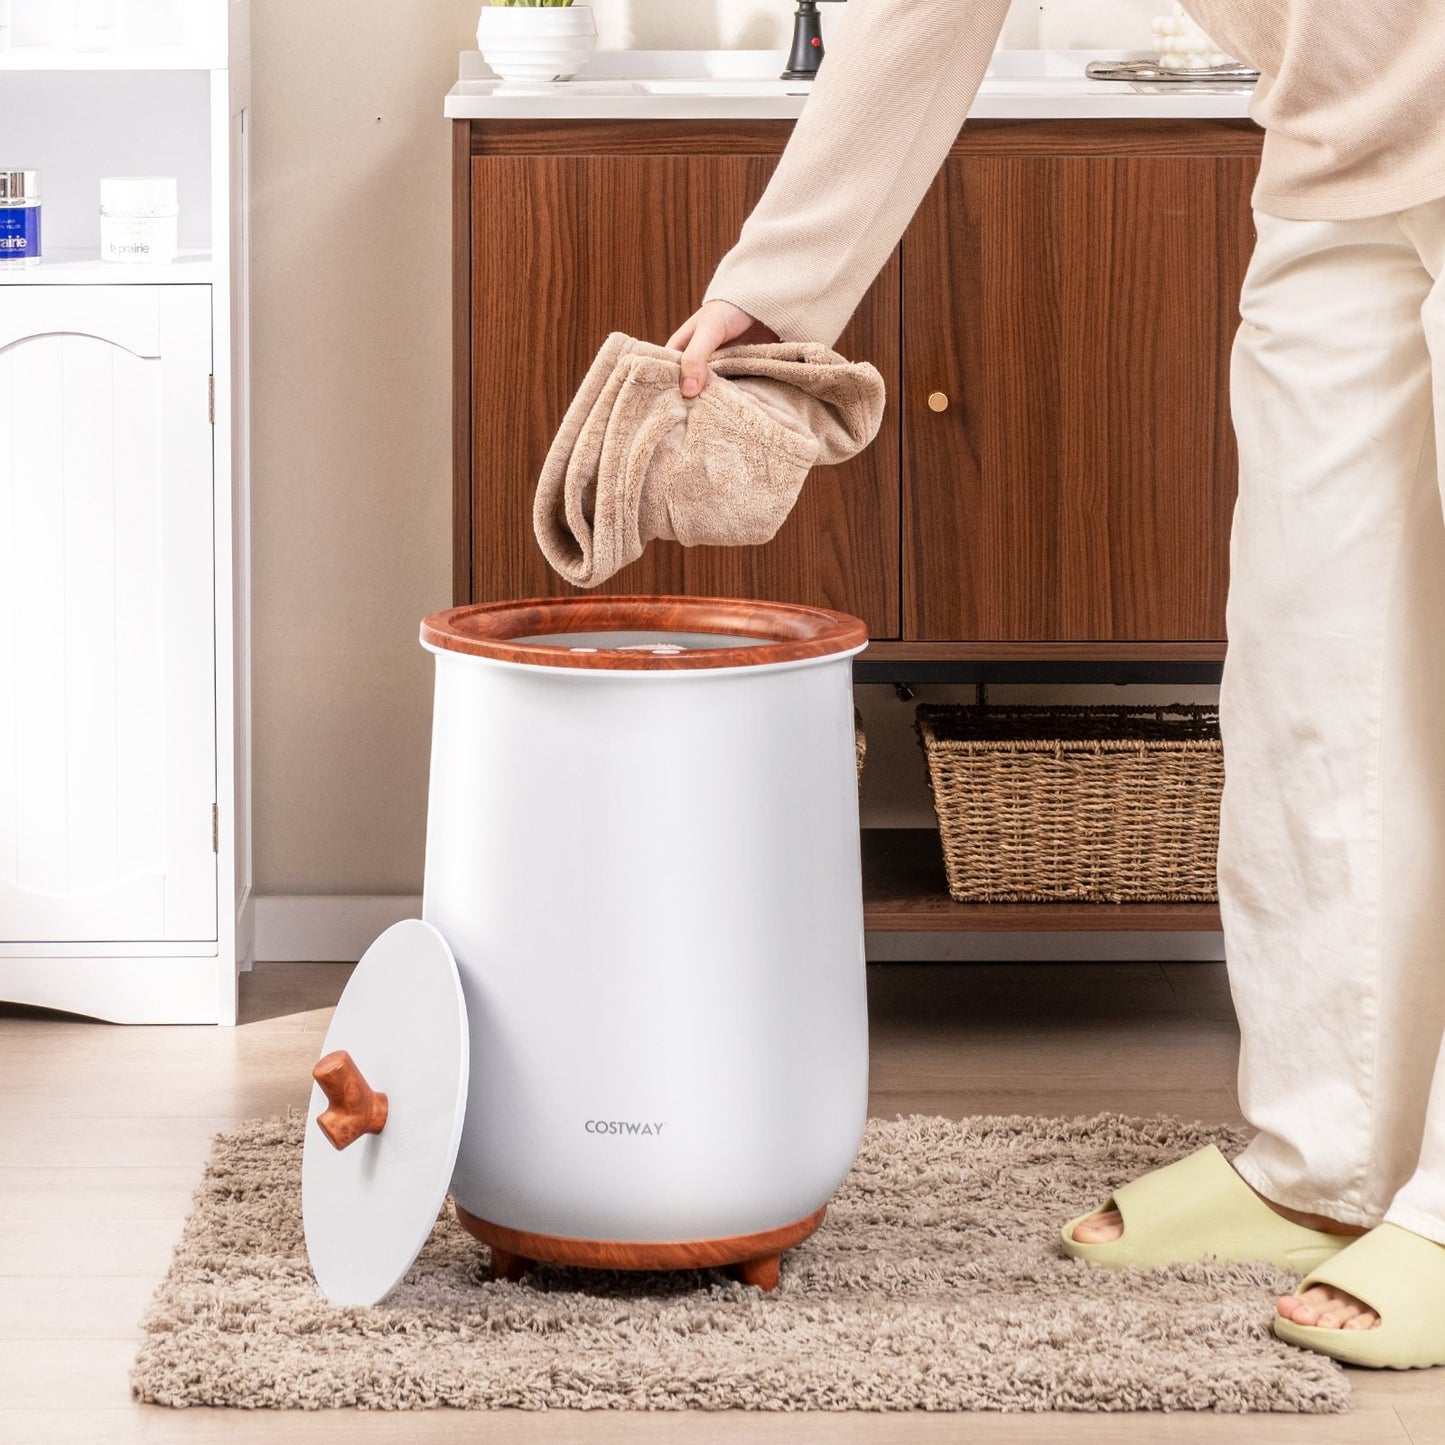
(19, 218)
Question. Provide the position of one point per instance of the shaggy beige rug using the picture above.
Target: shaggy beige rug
(936, 1283)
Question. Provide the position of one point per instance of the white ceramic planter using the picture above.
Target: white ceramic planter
(649, 876)
(536, 42)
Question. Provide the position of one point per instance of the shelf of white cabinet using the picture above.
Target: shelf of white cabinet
(171, 57)
(85, 268)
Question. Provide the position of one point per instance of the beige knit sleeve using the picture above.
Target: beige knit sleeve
(888, 103)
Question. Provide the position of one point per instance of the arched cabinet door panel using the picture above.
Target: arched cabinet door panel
(107, 653)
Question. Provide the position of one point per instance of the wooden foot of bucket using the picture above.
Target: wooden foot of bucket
(511, 1267)
(761, 1272)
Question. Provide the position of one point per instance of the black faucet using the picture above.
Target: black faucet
(807, 49)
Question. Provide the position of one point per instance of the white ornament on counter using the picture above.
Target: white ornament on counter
(1182, 45)
(534, 43)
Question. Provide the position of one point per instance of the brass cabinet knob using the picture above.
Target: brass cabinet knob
(938, 401)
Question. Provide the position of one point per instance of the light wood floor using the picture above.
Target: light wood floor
(105, 1130)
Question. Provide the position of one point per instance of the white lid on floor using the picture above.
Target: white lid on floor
(370, 1207)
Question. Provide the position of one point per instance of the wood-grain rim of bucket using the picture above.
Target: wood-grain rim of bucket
(769, 633)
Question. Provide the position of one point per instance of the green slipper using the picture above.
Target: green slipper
(1200, 1209)
(1401, 1276)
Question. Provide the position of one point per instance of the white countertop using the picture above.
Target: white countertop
(744, 85)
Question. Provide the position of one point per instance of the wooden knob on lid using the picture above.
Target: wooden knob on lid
(356, 1108)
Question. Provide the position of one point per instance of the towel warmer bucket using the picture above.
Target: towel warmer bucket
(642, 849)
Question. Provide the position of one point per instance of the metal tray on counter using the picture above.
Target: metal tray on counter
(1151, 72)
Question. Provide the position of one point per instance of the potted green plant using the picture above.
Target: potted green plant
(536, 40)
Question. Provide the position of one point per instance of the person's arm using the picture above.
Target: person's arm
(889, 101)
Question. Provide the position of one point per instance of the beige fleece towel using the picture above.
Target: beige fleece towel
(635, 460)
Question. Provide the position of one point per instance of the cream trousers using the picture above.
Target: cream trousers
(1332, 844)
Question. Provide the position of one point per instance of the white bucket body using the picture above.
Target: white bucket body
(651, 884)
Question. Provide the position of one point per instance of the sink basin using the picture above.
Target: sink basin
(1011, 72)
(724, 85)
(1012, 84)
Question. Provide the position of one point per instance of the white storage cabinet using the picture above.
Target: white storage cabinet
(124, 705)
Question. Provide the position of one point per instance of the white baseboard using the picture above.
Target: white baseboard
(323, 929)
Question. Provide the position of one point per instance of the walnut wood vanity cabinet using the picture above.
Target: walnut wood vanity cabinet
(1055, 473)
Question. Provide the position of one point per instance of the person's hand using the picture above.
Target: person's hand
(714, 324)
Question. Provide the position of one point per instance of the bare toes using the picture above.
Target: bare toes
(1101, 1228)
(1308, 1307)
(1326, 1308)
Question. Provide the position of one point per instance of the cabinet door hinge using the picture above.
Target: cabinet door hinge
(211, 398)
(215, 827)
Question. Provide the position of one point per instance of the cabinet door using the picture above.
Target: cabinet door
(1074, 295)
(107, 655)
(565, 249)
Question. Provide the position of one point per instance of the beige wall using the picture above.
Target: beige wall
(351, 480)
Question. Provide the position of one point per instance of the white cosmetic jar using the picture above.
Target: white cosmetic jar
(138, 219)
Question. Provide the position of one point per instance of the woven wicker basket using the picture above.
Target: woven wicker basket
(1097, 804)
(860, 743)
